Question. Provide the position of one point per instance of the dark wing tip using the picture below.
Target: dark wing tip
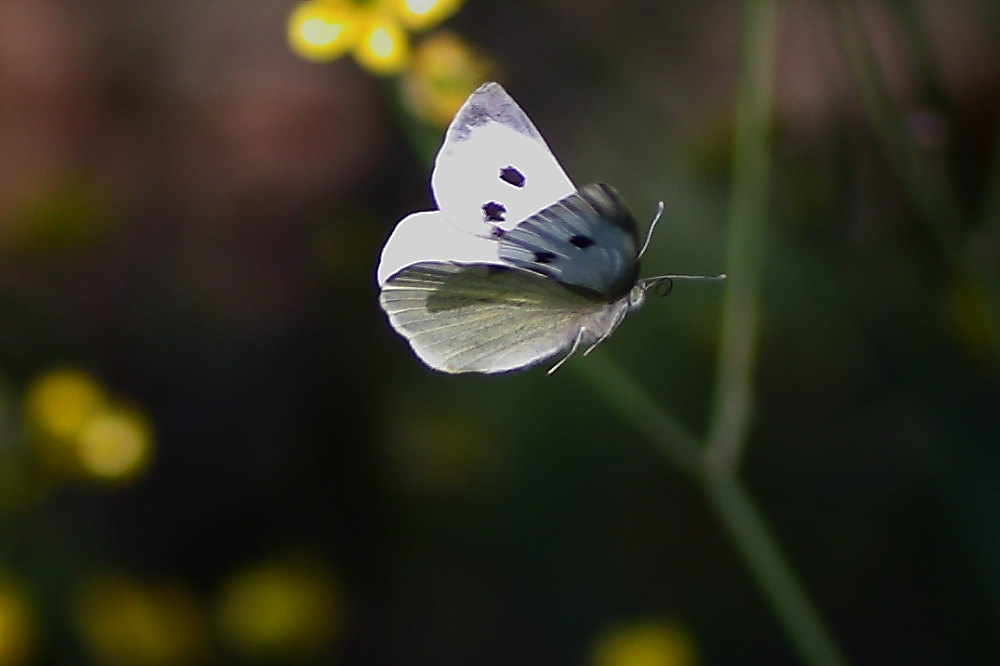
(609, 205)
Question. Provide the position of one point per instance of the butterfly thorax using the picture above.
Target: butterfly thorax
(588, 241)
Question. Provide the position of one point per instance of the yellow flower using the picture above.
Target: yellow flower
(383, 47)
(444, 71)
(422, 14)
(124, 622)
(115, 445)
(279, 610)
(80, 432)
(60, 402)
(374, 31)
(58, 405)
(17, 625)
(648, 643)
(322, 31)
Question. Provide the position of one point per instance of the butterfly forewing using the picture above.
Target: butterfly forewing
(494, 168)
(490, 318)
(587, 240)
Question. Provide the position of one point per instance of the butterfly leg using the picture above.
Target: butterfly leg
(619, 318)
(576, 343)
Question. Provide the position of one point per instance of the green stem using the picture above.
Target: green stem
(715, 466)
(730, 413)
(772, 571)
(667, 435)
(733, 399)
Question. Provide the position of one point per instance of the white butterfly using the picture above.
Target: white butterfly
(517, 265)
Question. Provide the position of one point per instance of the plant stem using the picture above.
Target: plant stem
(772, 571)
(731, 404)
(667, 435)
(715, 466)
(733, 399)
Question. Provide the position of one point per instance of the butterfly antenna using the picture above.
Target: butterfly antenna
(652, 226)
(658, 281)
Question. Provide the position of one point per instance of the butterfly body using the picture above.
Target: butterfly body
(517, 265)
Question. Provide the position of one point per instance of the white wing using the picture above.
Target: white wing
(428, 236)
(494, 166)
(491, 318)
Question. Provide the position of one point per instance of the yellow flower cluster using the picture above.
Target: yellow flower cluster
(123, 621)
(442, 73)
(376, 32)
(438, 73)
(79, 431)
(653, 642)
(283, 610)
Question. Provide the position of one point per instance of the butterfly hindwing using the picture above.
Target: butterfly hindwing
(588, 240)
(428, 236)
(490, 318)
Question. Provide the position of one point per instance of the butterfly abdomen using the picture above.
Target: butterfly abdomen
(587, 240)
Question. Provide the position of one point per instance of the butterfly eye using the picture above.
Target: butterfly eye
(512, 176)
(493, 211)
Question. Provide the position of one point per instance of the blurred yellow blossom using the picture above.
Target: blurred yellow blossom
(443, 73)
(280, 609)
(58, 405)
(383, 46)
(322, 30)
(375, 31)
(80, 431)
(432, 451)
(422, 14)
(60, 402)
(122, 621)
(115, 445)
(645, 643)
(17, 625)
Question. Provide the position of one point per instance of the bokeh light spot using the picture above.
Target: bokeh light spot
(443, 73)
(60, 402)
(124, 622)
(421, 14)
(383, 48)
(115, 445)
(321, 31)
(17, 625)
(279, 609)
(648, 643)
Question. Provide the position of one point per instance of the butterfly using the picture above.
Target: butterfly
(517, 265)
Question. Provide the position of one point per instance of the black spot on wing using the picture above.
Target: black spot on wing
(494, 212)
(582, 241)
(497, 232)
(544, 257)
(512, 176)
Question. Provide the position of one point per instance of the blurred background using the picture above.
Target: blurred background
(214, 450)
